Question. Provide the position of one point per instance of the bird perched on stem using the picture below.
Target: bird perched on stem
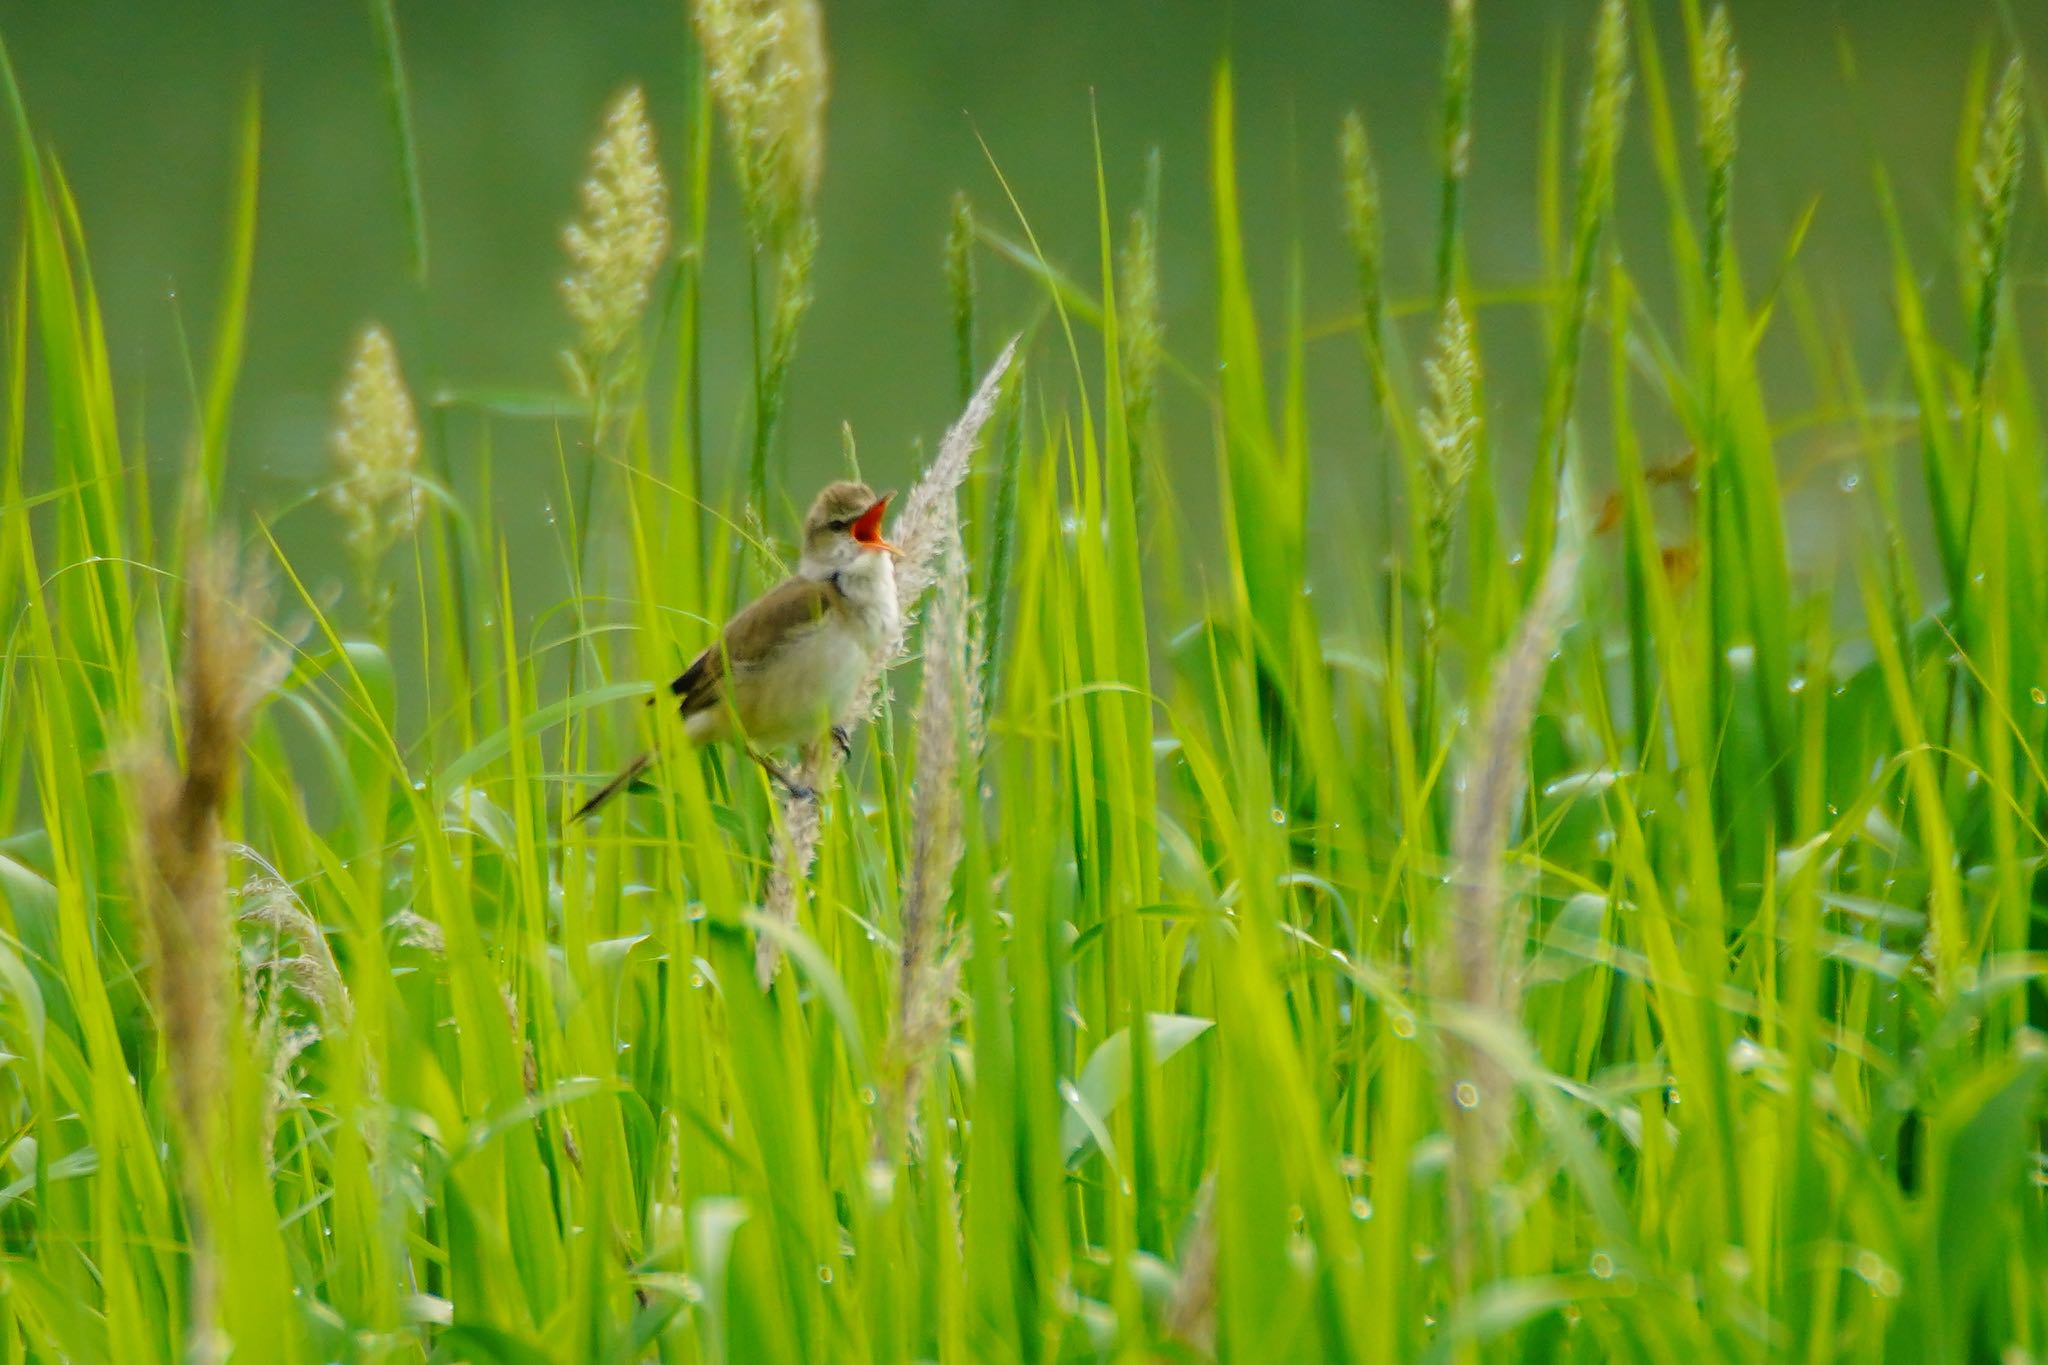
(784, 668)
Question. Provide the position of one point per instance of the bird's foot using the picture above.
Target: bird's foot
(796, 790)
(842, 741)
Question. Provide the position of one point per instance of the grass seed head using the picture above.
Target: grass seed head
(1996, 177)
(1602, 119)
(1450, 429)
(225, 667)
(619, 239)
(767, 73)
(1718, 83)
(931, 516)
(1362, 227)
(376, 446)
(795, 848)
(946, 721)
(1139, 330)
(1476, 964)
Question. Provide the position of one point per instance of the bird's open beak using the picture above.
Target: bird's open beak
(867, 530)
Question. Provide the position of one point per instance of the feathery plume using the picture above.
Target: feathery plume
(793, 848)
(947, 716)
(1477, 961)
(767, 73)
(1137, 316)
(618, 242)
(931, 511)
(294, 949)
(376, 447)
(224, 670)
(293, 994)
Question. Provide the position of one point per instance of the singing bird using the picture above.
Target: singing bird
(788, 663)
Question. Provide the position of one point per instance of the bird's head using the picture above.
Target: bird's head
(845, 522)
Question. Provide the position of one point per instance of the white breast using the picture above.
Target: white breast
(805, 686)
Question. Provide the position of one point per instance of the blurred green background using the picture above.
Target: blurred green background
(140, 102)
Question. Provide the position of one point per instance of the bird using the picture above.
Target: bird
(787, 664)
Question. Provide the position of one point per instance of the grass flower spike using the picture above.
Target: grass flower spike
(767, 61)
(376, 452)
(1451, 430)
(1362, 229)
(767, 74)
(225, 669)
(617, 243)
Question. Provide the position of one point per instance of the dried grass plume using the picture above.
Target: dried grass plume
(947, 722)
(1475, 970)
(225, 668)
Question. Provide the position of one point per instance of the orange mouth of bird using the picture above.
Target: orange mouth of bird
(867, 528)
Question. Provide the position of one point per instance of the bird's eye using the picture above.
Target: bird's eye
(839, 523)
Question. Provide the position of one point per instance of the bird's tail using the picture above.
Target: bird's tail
(598, 800)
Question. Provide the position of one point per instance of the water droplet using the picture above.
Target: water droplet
(1279, 816)
(1603, 1266)
(2040, 697)
(1797, 685)
(1403, 1024)
(1466, 1094)
(1850, 480)
(867, 1096)
(696, 981)
(1361, 1208)
(1882, 1279)
(824, 1274)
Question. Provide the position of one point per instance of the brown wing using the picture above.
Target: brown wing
(784, 613)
